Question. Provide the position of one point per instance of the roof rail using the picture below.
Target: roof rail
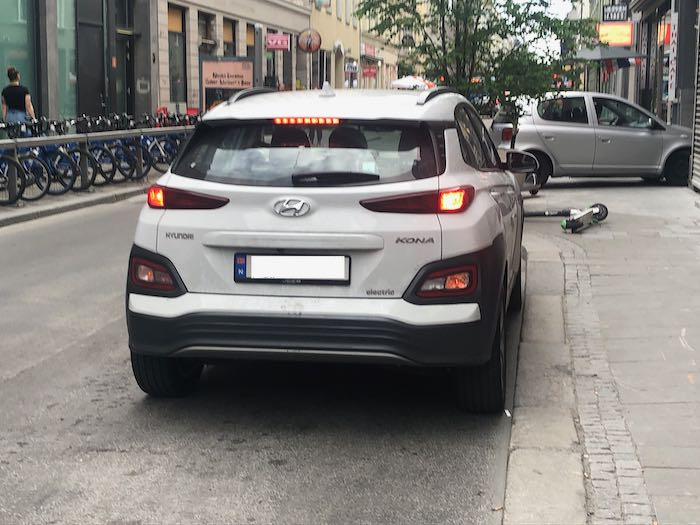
(427, 96)
(249, 93)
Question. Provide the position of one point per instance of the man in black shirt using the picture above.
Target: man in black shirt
(16, 100)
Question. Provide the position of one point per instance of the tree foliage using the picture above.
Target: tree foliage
(499, 48)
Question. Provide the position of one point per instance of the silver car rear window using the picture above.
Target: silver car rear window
(262, 153)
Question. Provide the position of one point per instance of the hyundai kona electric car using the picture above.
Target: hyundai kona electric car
(352, 226)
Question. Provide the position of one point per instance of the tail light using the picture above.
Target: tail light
(450, 282)
(162, 197)
(454, 200)
(148, 274)
(507, 134)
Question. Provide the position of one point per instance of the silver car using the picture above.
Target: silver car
(595, 134)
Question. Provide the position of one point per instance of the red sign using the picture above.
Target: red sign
(309, 41)
(277, 41)
(369, 71)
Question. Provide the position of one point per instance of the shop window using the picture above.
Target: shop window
(67, 64)
(176, 54)
(124, 14)
(250, 41)
(205, 30)
(17, 43)
(229, 38)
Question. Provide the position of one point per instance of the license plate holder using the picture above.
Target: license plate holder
(292, 269)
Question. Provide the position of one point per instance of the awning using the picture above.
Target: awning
(605, 53)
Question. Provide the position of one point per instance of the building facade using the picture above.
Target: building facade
(186, 32)
(695, 157)
(338, 60)
(378, 59)
(134, 56)
(79, 56)
(655, 39)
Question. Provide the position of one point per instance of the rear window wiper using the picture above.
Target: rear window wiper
(332, 178)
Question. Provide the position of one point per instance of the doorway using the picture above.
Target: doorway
(124, 75)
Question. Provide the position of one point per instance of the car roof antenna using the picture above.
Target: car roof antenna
(327, 90)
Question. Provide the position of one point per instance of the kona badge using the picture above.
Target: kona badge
(415, 240)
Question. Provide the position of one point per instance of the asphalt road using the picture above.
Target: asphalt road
(258, 443)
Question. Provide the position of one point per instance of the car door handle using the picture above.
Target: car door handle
(605, 140)
(548, 137)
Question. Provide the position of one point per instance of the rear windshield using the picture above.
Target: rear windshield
(261, 153)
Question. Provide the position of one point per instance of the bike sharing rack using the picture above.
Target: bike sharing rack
(83, 140)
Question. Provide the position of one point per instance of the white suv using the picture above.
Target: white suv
(358, 226)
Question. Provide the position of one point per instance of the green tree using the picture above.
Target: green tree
(499, 48)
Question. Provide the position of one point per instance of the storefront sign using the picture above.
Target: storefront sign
(368, 50)
(369, 71)
(220, 78)
(616, 33)
(227, 74)
(615, 13)
(277, 41)
(351, 67)
(309, 41)
(673, 58)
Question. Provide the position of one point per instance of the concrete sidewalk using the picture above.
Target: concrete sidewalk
(610, 349)
(73, 200)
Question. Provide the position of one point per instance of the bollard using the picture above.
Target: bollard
(139, 159)
(84, 166)
(12, 176)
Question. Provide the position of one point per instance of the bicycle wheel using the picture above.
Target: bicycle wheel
(146, 160)
(163, 152)
(8, 194)
(64, 172)
(125, 162)
(90, 165)
(37, 177)
(107, 163)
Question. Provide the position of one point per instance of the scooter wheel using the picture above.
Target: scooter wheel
(602, 212)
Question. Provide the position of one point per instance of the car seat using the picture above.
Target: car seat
(347, 137)
(412, 138)
(284, 137)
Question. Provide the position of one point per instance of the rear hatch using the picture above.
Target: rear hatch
(294, 224)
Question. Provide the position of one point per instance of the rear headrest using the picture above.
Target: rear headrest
(284, 137)
(346, 137)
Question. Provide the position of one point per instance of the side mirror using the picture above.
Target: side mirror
(521, 162)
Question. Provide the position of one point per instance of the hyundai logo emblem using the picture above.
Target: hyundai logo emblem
(291, 207)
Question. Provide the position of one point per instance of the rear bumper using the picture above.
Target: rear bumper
(345, 330)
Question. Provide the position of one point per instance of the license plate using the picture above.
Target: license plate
(292, 269)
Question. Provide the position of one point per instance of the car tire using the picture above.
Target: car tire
(677, 169)
(165, 376)
(545, 170)
(482, 389)
(516, 295)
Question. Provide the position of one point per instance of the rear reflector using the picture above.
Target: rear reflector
(162, 197)
(453, 200)
(450, 282)
(312, 121)
(151, 275)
